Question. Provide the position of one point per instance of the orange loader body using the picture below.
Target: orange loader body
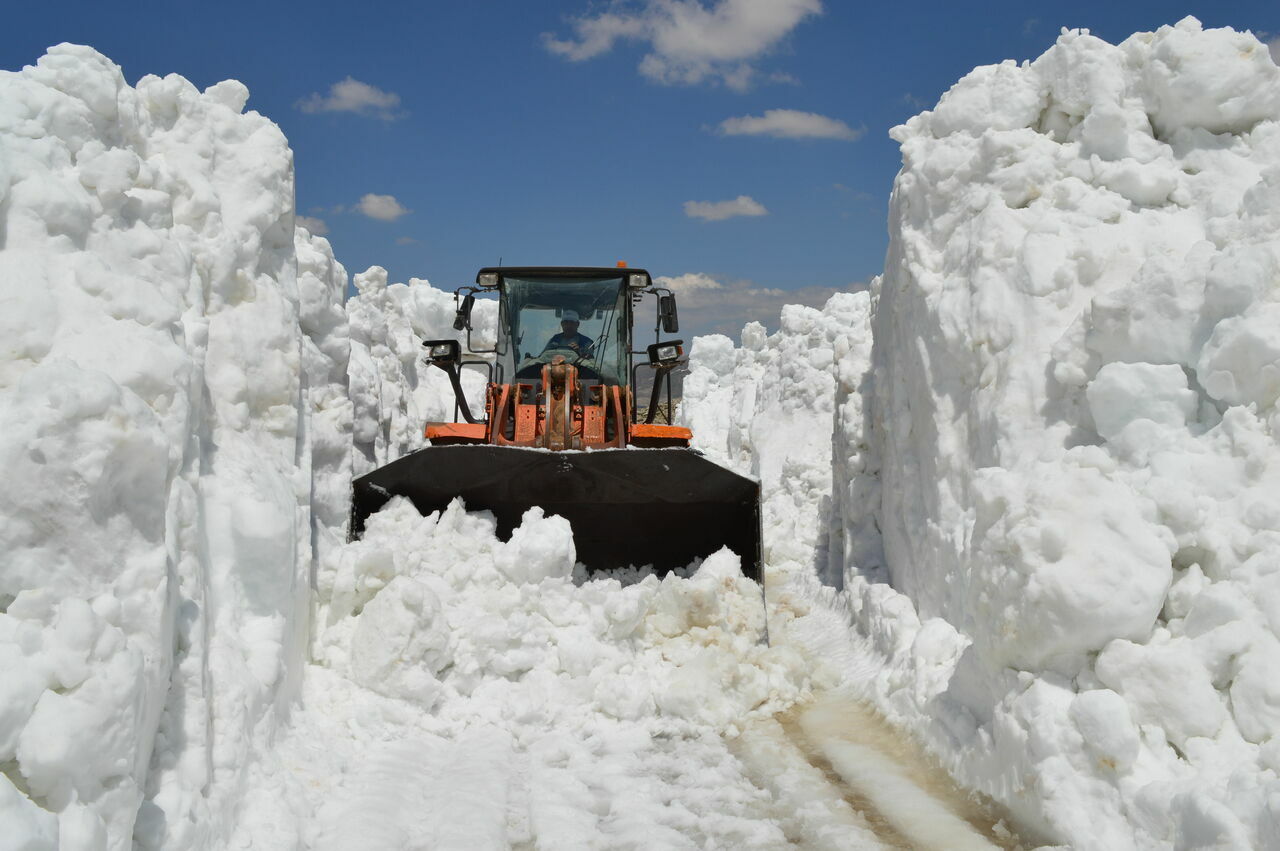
(568, 414)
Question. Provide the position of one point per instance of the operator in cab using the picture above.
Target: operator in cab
(569, 338)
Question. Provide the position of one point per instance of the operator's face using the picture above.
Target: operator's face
(568, 326)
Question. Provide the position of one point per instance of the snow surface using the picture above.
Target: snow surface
(1020, 505)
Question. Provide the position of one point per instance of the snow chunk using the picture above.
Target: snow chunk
(1240, 365)
(540, 548)
(27, 827)
(1052, 594)
(1142, 674)
(401, 642)
(1255, 691)
(1124, 392)
(998, 97)
(1102, 717)
(1220, 80)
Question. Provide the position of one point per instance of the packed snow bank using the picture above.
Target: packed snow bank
(1074, 382)
(175, 441)
(393, 390)
(1062, 457)
(766, 410)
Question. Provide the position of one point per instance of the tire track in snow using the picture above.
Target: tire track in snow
(812, 810)
(899, 798)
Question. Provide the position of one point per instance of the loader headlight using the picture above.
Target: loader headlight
(443, 351)
(666, 353)
(488, 280)
(637, 282)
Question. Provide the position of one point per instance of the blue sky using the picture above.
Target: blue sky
(580, 132)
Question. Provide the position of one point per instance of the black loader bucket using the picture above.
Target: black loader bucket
(663, 507)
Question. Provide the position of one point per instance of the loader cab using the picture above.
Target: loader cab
(533, 304)
(557, 390)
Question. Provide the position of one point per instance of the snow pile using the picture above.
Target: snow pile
(1075, 378)
(326, 350)
(393, 390)
(766, 410)
(462, 674)
(173, 407)
(1067, 436)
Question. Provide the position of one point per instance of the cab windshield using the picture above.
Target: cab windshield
(582, 319)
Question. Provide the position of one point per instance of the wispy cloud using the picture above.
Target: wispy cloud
(918, 103)
(406, 240)
(313, 224)
(598, 35)
(712, 306)
(351, 95)
(384, 208)
(855, 194)
(715, 211)
(790, 124)
(689, 43)
(1274, 46)
(1030, 25)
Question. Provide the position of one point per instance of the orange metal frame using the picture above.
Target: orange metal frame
(559, 412)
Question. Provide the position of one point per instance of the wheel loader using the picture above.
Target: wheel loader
(562, 429)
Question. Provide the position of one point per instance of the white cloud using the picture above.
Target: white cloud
(311, 223)
(715, 211)
(384, 208)
(711, 306)
(1274, 47)
(790, 124)
(351, 95)
(688, 283)
(596, 36)
(689, 43)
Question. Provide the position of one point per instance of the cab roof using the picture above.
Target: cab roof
(568, 273)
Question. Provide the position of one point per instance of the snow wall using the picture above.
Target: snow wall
(176, 432)
(393, 392)
(1054, 511)
(175, 443)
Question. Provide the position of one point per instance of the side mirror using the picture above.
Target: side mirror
(666, 354)
(443, 353)
(667, 314)
(462, 319)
